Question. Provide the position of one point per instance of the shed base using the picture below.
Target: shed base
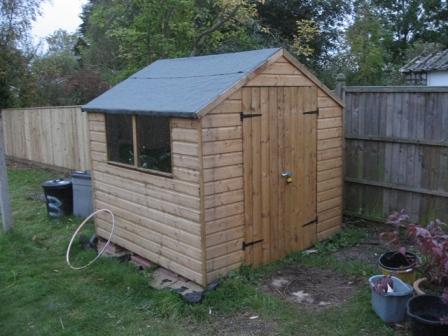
(112, 250)
(160, 278)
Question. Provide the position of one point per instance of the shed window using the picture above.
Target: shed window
(120, 146)
(149, 137)
(153, 139)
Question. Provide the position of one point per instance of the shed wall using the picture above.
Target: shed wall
(437, 78)
(157, 217)
(222, 148)
(223, 170)
(329, 166)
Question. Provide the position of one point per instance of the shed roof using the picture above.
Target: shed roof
(182, 87)
(437, 61)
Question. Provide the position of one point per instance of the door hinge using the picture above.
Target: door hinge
(314, 221)
(312, 112)
(250, 243)
(249, 115)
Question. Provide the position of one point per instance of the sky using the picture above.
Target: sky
(58, 14)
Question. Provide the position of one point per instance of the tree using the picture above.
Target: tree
(120, 37)
(306, 33)
(410, 21)
(60, 80)
(284, 18)
(367, 39)
(435, 22)
(16, 17)
(403, 19)
(52, 69)
(224, 25)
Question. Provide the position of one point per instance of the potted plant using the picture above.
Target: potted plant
(398, 262)
(389, 297)
(429, 313)
(432, 244)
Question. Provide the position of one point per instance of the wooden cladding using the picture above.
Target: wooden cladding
(157, 217)
(283, 138)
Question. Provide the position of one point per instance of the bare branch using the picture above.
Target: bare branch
(219, 22)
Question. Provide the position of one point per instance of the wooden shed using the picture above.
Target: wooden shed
(210, 162)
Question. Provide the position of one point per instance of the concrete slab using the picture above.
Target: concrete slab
(141, 262)
(112, 250)
(162, 278)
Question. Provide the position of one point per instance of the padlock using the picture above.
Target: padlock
(289, 179)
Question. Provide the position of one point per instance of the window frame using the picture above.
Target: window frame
(135, 166)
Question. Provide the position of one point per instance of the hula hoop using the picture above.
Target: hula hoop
(67, 255)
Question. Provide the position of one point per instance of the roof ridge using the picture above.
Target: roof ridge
(193, 76)
(218, 54)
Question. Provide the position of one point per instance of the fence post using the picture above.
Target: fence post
(340, 86)
(5, 202)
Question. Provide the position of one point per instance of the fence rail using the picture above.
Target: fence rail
(396, 151)
(50, 136)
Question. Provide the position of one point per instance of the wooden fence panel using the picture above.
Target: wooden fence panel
(50, 136)
(397, 151)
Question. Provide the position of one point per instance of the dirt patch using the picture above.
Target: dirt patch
(311, 287)
(370, 248)
(364, 252)
(243, 324)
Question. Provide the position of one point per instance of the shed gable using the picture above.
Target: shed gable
(280, 73)
(222, 141)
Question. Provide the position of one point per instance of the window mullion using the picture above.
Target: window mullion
(134, 138)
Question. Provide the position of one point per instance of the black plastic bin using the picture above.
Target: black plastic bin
(59, 197)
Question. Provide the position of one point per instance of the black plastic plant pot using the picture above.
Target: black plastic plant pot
(425, 313)
(394, 260)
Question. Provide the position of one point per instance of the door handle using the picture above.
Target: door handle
(288, 175)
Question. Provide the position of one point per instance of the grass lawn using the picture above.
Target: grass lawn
(40, 295)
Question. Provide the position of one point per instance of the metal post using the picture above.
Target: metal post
(5, 202)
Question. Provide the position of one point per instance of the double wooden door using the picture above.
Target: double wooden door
(279, 153)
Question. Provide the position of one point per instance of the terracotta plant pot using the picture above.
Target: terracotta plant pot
(418, 286)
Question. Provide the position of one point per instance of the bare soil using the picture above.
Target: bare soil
(317, 288)
(313, 288)
(366, 252)
(370, 249)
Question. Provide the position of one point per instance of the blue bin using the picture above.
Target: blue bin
(391, 307)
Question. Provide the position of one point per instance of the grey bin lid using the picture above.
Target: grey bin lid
(81, 174)
(57, 183)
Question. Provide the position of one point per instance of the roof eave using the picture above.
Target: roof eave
(172, 114)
